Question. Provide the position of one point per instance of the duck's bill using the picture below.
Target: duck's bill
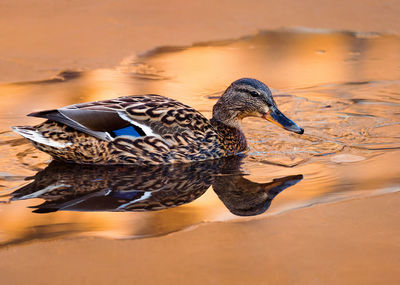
(275, 116)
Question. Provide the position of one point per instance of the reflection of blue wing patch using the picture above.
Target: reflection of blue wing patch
(128, 195)
(129, 131)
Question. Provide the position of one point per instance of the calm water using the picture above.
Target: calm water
(342, 88)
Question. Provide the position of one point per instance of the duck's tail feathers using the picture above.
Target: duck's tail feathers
(34, 135)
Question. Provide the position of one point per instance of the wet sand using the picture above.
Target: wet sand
(38, 40)
(351, 242)
(354, 242)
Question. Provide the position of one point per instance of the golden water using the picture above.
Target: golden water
(342, 88)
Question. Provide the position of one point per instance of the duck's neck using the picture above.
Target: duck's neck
(226, 115)
(227, 123)
(232, 138)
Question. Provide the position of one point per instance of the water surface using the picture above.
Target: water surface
(342, 88)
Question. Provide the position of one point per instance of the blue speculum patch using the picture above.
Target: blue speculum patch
(128, 131)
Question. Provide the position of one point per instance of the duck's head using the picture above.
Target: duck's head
(248, 97)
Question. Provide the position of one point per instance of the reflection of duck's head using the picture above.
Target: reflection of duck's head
(246, 198)
(248, 97)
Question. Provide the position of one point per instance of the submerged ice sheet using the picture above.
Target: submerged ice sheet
(342, 88)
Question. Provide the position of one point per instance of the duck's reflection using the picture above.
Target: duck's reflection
(120, 188)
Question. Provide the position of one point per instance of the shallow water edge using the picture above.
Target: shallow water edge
(341, 87)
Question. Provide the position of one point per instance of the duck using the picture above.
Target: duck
(152, 129)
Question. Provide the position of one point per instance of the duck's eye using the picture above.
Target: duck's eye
(254, 93)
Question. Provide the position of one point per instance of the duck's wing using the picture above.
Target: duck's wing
(135, 116)
(97, 123)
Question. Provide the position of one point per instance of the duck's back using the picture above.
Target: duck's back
(141, 130)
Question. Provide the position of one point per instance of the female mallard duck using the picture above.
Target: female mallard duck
(152, 129)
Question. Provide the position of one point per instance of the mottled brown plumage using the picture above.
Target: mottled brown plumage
(152, 129)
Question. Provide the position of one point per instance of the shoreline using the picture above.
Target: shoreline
(339, 244)
(45, 39)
